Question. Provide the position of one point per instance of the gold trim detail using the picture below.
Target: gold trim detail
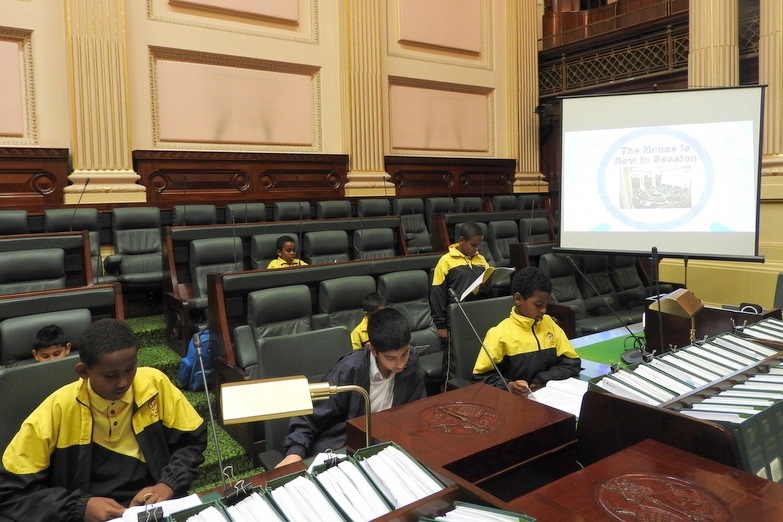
(24, 38)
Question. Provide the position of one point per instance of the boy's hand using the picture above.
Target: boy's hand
(289, 459)
(519, 387)
(443, 333)
(100, 509)
(152, 494)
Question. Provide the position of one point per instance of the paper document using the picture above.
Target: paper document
(565, 395)
(169, 506)
(485, 278)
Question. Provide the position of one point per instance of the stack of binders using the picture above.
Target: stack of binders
(734, 379)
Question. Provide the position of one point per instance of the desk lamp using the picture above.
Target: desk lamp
(681, 303)
(280, 398)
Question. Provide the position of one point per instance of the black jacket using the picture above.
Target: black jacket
(325, 427)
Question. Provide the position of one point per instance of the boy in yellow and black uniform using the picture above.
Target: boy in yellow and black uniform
(456, 270)
(120, 436)
(528, 347)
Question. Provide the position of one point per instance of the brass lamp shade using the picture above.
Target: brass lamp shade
(681, 302)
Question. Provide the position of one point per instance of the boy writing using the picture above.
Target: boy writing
(456, 270)
(286, 254)
(50, 344)
(528, 347)
(120, 436)
(386, 367)
(371, 303)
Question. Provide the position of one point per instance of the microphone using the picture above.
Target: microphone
(658, 294)
(78, 202)
(478, 337)
(629, 356)
(197, 345)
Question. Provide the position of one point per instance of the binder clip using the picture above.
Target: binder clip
(331, 461)
(238, 492)
(150, 514)
(738, 327)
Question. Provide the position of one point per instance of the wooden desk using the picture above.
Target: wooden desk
(475, 432)
(740, 496)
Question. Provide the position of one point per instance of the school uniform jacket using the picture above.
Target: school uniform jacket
(45, 473)
(325, 427)
(456, 271)
(536, 352)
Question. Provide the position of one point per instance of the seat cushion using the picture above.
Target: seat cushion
(32, 270)
(373, 243)
(326, 246)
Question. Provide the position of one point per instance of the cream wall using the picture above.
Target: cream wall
(262, 76)
(207, 79)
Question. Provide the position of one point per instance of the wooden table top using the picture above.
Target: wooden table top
(475, 431)
(653, 481)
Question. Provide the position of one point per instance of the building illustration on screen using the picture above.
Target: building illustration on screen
(655, 188)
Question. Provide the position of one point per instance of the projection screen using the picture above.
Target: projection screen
(675, 170)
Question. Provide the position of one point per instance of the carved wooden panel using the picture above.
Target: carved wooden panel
(32, 179)
(428, 177)
(176, 177)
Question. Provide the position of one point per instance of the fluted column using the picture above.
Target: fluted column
(101, 148)
(522, 67)
(364, 87)
(714, 43)
(771, 75)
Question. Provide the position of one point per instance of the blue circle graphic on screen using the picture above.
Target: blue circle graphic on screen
(645, 194)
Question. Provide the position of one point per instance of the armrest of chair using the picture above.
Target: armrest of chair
(176, 315)
(565, 317)
(112, 263)
(270, 458)
(319, 321)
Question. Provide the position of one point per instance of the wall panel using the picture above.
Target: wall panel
(425, 116)
(242, 102)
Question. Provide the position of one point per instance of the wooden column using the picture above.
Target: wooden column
(714, 44)
(364, 85)
(101, 148)
(522, 66)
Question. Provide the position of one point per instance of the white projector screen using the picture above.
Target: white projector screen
(674, 170)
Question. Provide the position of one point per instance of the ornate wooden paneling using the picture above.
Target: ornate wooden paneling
(178, 177)
(426, 177)
(32, 179)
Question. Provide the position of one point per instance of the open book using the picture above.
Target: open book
(488, 277)
(565, 395)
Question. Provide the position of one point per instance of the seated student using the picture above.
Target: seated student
(456, 270)
(528, 347)
(286, 254)
(120, 436)
(50, 344)
(371, 303)
(386, 367)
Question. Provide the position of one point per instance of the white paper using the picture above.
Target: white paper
(169, 506)
(565, 395)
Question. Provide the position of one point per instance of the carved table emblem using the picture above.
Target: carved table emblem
(461, 418)
(643, 497)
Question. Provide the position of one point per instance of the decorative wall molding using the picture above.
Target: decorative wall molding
(278, 31)
(485, 95)
(311, 73)
(484, 60)
(23, 38)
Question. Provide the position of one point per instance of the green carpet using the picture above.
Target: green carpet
(608, 352)
(154, 352)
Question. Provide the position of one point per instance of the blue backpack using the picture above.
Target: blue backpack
(189, 368)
